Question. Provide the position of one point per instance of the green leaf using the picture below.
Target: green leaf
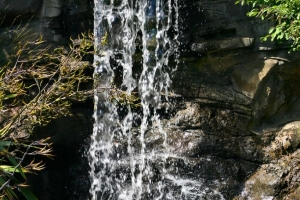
(9, 96)
(253, 13)
(28, 194)
(271, 30)
(14, 162)
(3, 131)
(5, 143)
(8, 168)
(264, 38)
(9, 192)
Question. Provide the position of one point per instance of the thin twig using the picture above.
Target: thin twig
(18, 165)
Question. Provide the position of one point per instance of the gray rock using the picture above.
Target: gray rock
(217, 45)
(275, 180)
(15, 8)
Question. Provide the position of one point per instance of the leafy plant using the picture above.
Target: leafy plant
(286, 14)
(37, 84)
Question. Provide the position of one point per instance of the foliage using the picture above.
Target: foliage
(286, 14)
(123, 98)
(37, 84)
(116, 96)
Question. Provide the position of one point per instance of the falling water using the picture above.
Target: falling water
(121, 165)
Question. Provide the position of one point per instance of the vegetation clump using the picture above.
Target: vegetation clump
(285, 14)
(37, 84)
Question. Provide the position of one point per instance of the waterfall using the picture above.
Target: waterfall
(120, 162)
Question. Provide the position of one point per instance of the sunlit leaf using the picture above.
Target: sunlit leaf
(9, 96)
(12, 169)
(7, 190)
(15, 163)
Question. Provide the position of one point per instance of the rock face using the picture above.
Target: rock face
(236, 126)
(237, 121)
(55, 20)
(241, 103)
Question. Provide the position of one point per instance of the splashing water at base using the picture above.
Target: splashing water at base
(122, 167)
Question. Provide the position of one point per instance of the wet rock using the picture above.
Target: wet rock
(215, 145)
(55, 20)
(294, 195)
(51, 8)
(199, 130)
(15, 8)
(224, 176)
(280, 142)
(275, 180)
(217, 45)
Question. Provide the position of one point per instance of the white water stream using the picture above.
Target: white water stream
(133, 27)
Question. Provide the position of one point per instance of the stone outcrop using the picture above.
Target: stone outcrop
(241, 102)
(224, 44)
(55, 20)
